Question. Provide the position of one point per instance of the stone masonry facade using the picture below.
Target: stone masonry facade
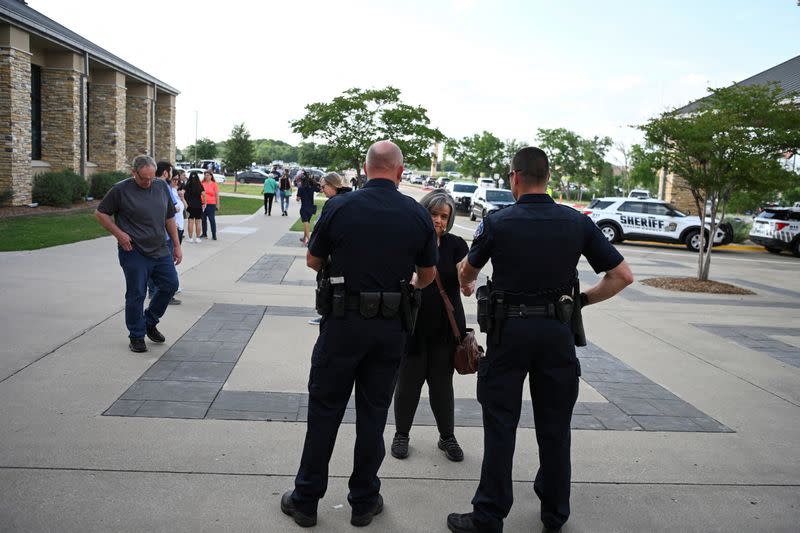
(677, 192)
(138, 126)
(61, 118)
(15, 121)
(165, 128)
(107, 123)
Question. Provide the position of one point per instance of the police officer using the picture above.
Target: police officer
(534, 246)
(376, 238)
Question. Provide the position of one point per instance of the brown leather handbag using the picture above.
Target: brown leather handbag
(468, 351)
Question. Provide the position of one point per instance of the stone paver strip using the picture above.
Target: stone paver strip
(759, 339)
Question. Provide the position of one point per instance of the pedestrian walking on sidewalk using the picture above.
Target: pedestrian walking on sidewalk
(305, 195)
(196, 202)
(376, 238)
(212, 204)
(534, 246)
(285, 192)
(138, 211)
(270, 187)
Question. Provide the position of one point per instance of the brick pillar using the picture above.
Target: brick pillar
(61, 117)
(138, 120)
(107, 121)
(165, 127)
(15, 115)
(677, 192)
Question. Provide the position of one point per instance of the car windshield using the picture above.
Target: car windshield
(780, 214)
(463, 187)
(675, 211)
(499, 195)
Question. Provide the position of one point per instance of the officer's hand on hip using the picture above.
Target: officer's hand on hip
(469, 288)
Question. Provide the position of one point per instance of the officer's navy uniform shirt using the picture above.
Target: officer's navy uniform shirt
(536, 244)
(375, 237)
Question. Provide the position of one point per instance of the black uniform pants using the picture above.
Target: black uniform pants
(349, 351)
(543, 348)
(433, 363)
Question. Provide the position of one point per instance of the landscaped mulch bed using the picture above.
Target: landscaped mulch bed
(695, 285)
(24, 210)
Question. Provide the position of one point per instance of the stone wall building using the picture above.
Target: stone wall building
(66, 103)
(672, 187)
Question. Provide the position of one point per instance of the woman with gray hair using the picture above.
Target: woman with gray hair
(431, 347)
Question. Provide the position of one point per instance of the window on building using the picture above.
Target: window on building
(36, 112)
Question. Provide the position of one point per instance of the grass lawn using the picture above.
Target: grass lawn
(243, 188)
(42, 231)
(298, 225)
(239, 206)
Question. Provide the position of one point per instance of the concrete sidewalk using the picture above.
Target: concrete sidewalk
(687, 417)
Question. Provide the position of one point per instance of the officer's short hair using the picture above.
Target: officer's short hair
(439, 198)
(531, 163)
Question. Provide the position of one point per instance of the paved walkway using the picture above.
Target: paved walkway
(687, 415)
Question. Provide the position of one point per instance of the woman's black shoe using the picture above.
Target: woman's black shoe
(400, 446)
(449, 445)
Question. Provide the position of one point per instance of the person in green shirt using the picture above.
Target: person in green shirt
(270, 188)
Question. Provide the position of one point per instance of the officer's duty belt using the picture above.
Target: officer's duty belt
(530, 311)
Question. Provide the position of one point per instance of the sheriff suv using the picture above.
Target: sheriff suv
(778, 228)
(643, 219)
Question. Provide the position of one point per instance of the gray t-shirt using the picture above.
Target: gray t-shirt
(141, 213)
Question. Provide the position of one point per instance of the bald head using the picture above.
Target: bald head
(384, 160)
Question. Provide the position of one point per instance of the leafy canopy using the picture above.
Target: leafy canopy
(239, 149)
(479, 155)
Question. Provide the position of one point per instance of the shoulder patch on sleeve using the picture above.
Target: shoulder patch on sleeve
(478, 230)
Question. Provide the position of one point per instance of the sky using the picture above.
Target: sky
(503, 66)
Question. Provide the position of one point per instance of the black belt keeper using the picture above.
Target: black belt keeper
(388, 305)
(530, 311)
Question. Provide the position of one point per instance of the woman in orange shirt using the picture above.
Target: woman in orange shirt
(212, 204)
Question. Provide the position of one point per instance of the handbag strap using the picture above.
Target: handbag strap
(448, 306)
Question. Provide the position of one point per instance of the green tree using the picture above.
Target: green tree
(239, 149)
(479, 155)
(734, 140)
(204, 148)
(357, 118)
(592, 161)
(644, 166)
(564, 150)
(314, 155)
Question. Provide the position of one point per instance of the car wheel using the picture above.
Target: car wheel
(772, 250)
(796, 247)
(610, 232)
(693, 240)
(472, 216)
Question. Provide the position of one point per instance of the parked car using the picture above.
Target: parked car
(441, 182)
(643, 219)
(461, 191)
(485, 201)
(252, 176)
(639, 193)
(777, 229)
(486, 182)
(419, 179)
(219, 178)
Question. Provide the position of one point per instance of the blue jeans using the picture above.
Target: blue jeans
(210, 214)
(151, 286)
(285, 197)
(138, 268)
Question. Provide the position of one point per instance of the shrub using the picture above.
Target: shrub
(59, 189)
(6, 195)
(103, 181)
(741, 228)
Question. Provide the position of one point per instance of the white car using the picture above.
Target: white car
(219, 178)
(778, 228)
(487, 183)
(461, 191)
(646, 219)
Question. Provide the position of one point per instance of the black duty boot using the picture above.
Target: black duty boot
(361, 520)
(154, 335)
(400, 446)
(463, 523)
(137, 345)
(302, 520)
(449, 445)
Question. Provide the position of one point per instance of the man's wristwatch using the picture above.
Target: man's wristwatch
(584, 299)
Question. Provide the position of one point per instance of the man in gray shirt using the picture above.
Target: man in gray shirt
(141, 208)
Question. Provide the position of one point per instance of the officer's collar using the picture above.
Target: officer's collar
(384, 183)
(535, 199)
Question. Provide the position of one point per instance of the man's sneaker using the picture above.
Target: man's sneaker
(361, 520)
(174, 301)
(137, 345)
(449, 445)
(154, 335)
(400, 446)
(302, 520)
(315, 321)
